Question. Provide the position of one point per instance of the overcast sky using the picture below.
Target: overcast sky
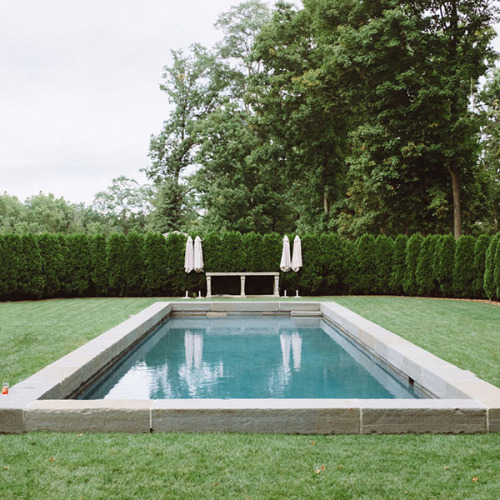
(79, 95)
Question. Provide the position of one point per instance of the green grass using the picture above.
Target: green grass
(198, 466)
(62, 466)
(34, 334)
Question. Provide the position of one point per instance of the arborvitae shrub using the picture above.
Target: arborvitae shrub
(134, 264)
(213, 253)
(252, 243)
(332, 264)
(489, 267)
(496, 272)
(233, 252)
(412, 252)
(98, 265)
(78, 265)
(446, 251)
(176, 275)
(398, 264)
(309, 279)
(31, 279)
(351, 267)
(271, 247)
(383, 253)
(424, 274)
(155, 265)
(480, 250)
(11, 266)
(463, 271)
(115, 263)
(52, 263)
(367, 270)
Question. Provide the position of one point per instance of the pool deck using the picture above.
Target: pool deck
(462, 402)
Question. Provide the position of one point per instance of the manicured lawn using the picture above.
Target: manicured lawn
(34, 334)
(66, 466)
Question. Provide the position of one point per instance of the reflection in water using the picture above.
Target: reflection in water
(197, 374)
(280, 378)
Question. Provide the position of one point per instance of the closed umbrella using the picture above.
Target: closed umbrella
(189, 257)
(285, 264)
(297, 255)
(198, 255)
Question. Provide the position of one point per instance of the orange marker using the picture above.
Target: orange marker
(5, 388)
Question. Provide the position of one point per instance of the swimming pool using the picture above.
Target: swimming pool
(461, 402)
(249, 357)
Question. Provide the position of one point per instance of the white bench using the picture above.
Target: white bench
(276, 286)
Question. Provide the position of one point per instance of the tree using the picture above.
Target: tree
(398, 264)
(407, 70)
(480, 250)
(299, 114)
(446, 264)
(125, 204)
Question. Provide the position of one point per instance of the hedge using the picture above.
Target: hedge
(49, 266)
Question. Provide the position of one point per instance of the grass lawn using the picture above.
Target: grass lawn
(65, 466)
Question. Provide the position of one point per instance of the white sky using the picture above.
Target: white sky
(79, 95)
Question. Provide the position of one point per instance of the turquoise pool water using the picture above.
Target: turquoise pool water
(249, 357)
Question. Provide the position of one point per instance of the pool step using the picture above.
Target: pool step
(306, 313)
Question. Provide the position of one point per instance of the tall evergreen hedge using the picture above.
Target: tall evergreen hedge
(446, 264)
(383, 254)
(155, 265)
(398, 264)
(11, 267)
(480, 250)
(463, 271)
(424, 274)
(52, 263)
(410, 285)
(47, 266)
(31, 277)
(115, 263)
(134, 264)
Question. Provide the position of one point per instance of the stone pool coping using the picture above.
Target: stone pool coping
(464, 404)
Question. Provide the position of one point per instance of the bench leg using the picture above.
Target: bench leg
(209, 286)
(242, 279)
(276, 286)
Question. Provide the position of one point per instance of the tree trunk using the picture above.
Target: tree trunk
(457, 212)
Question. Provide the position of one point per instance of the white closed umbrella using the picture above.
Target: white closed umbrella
(198, 255)
(285, 264)
(297, 255)
(189, 257)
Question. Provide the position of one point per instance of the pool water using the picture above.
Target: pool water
(248, 357)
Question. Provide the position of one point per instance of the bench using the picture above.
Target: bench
(243, 276)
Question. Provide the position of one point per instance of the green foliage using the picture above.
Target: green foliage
(463, 271)
(309, 279)
(351, 266)
(366, 263)
(271, 252)
(77, 265)
(479, 265)
(11, 269)
(99, 266)
(496, 272)
(252, 243)
(398, 264)
(424, 274)
(174, 259)
(115, 251)
(383, 254)
(489, 267)
(156, 281)
(52, 262)
(413, 247)
(332, 264)
(232, 256)
(134, 265)
(446, 264)
(32, 280)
